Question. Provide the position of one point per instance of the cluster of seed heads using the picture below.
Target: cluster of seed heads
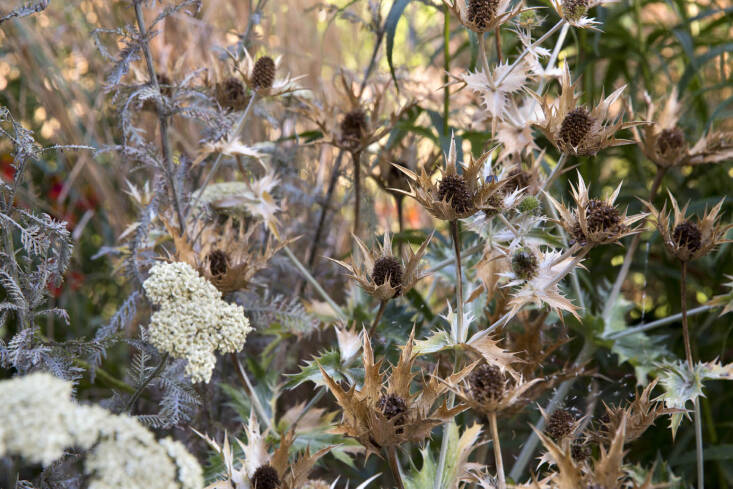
(453, 188)
(575, 127)
(218, 262)
(687, 235)
(524, 263)
(482, 12)
(388, 266)
(487, 383)
(670, 140)
(574, 9)
(600, 217)
(265, 477)
(354, 126)
(263, 73)
(560, 424)
(230, 94)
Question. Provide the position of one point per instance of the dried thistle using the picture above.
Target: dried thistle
(483, 15)
(689, 239)
(383, 413)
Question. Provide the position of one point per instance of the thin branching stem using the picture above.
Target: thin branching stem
(138, 392)
(497, 451)
(395, 467)
(377, 318)
(482, 53)
(307, 275)
(356, 157)
(659, 322)
(497, 38)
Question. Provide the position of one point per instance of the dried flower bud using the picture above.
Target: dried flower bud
(574, 9)
(670, 140)
(354, 126)
(688, 235)
(524, 263)
(391, 406)
(575, 127)
(482, 12)
(265, 477)
(218, 262)
(579, 451)
(487, 383)
(560, 424)
(388, 266)
(263, 73)
(453, 188)
(230, 94)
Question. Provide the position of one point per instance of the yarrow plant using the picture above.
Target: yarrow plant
(434, 255)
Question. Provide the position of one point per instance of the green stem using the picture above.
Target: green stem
(106, 376)
(659, 322)
(138, 392)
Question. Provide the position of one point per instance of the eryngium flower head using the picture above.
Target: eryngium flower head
(230, 94)
(354, 126)
(575, 130)
(263, 73)
(192, 321)
(265, 477)
(685, 238)
(456, 196)
(593, 221)
(487, 383)
(482, 12)
(574, 9)
(385, 412)
(560, 424)
(524, 263)
(483, 15)
(573, 12)
(378, 264)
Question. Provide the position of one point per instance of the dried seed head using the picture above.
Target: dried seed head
(265, 477)
(600, 217)
(575, 127)
(354, 126)
(392, 406)
(574, 9)
(230, 94)
(482, 12)
(453, 188)
(218, 262)
(687, 235)
(670, 140)
(388, 266)
(263, 73)
(518, 178)
(560, 424)
(494, 205)
(524, 263)
(579, 451)
(487, 383)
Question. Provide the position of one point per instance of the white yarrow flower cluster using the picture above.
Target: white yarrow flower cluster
(193, 321)
(40, 421)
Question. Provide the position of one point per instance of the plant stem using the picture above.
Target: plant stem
(306, 275)
(446, 67)
(698, 446)
(448, 261)
(526, 50)
(356, 157)
(659, 322)
(497, 451)
(455, 233)
(162, 117)
(497, 37)
(138, 392)
(555, 171)
(482, 53)
(324, 209)
(394, 466)
(380, 312)
(250, 391)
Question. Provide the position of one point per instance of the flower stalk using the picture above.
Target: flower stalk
(497, 451)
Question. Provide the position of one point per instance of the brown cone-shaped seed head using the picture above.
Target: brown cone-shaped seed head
(487, 383)
(453, 188)
(574, 9)
(263, 73)
(482, 12)
(599, 217)
(218, 262)
(524, 263)
(231, 95)
(670, 140)
(560, 424)
(388, 266)
(575, 127)
(354, 126)
(688, 235)
(265, 477)
(391, 406)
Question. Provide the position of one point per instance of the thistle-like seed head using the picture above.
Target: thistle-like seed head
(494, 205)
(391, 406)
(601, 216)
(560, 424)
(575, 127)
(265, 477)
(218, 262)
(524, 263)
(230, 94)
(518, 178)
(388, 266)
(354, 125)
(579, 451)
(670, 140)
(688, 235)
(574, 9)
(263, 73)
(453, 188)
(482, 12)
(487, 383)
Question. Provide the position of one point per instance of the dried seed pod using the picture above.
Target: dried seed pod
(453, 188)
(218, 262)
(230, 94)
(265, 477)
(392, 406)
(487, 383)
(263, 73)
(574, 9)
(670, 140)
(482, 12)
(560, 424)
(524, 263)
(353, 126)
(388, 266)
(575, 127)
(688, 235)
